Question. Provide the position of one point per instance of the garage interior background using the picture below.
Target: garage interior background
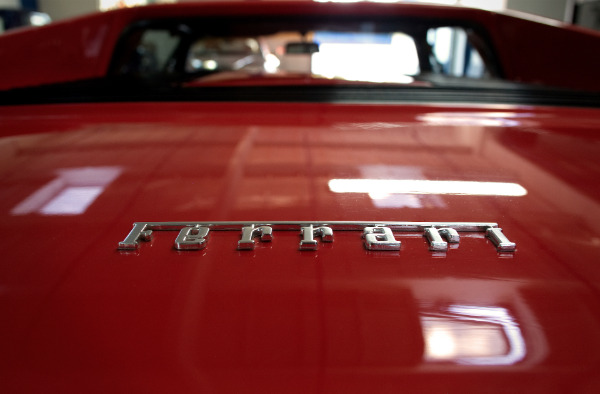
(581, 12)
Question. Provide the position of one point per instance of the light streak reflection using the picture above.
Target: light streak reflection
(379, 187)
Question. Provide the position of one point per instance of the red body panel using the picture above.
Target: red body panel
(80, 316)
(529, 52)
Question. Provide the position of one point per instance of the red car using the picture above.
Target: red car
(300, 197)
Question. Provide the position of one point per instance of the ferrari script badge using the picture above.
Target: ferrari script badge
(375, 235)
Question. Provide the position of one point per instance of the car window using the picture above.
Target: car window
(406, 52)
(224, 54)
(372, 57)
(454, 54)
(150, 55)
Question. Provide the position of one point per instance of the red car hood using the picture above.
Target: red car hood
(81, 316)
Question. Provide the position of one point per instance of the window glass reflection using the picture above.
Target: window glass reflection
(70, 193)
(472, 335)
(72, 201)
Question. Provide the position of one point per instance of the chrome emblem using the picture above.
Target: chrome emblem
(376, 235)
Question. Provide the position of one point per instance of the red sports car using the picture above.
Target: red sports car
(305, 197)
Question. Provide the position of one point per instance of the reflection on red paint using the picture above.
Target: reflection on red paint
(70, 193)
(472, 335)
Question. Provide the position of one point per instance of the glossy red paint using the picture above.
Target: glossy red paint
(64, 51)
(80, 316)
(530, 52)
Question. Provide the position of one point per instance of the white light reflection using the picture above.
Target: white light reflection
(445, 2)
(493, 5)
(70, 193)
(473, 335)
(72, 201)
(383, 58)
(506, 119)
(39, 19)
(106, 5)
(379, 187)
(272, 63)
(386, 200)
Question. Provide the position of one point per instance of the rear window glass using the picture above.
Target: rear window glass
(454, 54)
(406, 53)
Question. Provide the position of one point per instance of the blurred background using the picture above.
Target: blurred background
(18, 13)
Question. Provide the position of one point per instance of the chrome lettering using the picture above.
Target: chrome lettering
(192, 238)
(140, 231)
(309, 233)
(434, 237)
(499, 240)
(377, 235)
(380, 238)
(249, 232)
